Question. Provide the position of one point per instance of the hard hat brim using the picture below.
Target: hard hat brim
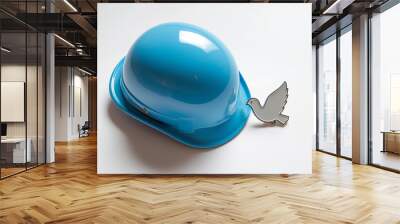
(205, 138)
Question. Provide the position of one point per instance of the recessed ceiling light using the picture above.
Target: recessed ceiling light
(337, 7)
(64, 40)
(5, 50)
(84, 71)
(70, 5)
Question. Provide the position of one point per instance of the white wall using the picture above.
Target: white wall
(266, 55)
(61, 103)
(69, 81)
(80, 84)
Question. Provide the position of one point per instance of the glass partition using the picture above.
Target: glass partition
(14, 153)
(22, 67)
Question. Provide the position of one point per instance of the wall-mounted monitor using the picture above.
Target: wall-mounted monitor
(3, 129)
(12, 101)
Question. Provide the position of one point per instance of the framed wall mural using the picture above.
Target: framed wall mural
(204, 89)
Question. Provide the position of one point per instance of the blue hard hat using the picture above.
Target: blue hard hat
(182, 81)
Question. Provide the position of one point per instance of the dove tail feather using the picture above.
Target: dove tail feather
(283, 119)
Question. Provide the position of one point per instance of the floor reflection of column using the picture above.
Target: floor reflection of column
(386, 159)
(10, 171)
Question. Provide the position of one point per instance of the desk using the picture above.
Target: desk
(13, 150)
(391, 141)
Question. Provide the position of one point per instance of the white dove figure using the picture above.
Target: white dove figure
(271, 112)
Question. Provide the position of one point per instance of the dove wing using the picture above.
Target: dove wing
(276, 101)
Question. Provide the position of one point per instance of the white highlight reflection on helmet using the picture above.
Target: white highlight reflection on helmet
(197, 40)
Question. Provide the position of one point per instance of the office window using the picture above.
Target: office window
(327, 96)
(385, 89)
(346, 94)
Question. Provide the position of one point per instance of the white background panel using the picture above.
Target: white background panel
(271, 43)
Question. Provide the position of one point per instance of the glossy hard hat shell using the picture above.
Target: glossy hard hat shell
(181, 80)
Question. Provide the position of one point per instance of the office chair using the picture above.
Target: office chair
(84, 130)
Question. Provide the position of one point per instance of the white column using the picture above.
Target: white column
(50, 99)
(360, 90)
